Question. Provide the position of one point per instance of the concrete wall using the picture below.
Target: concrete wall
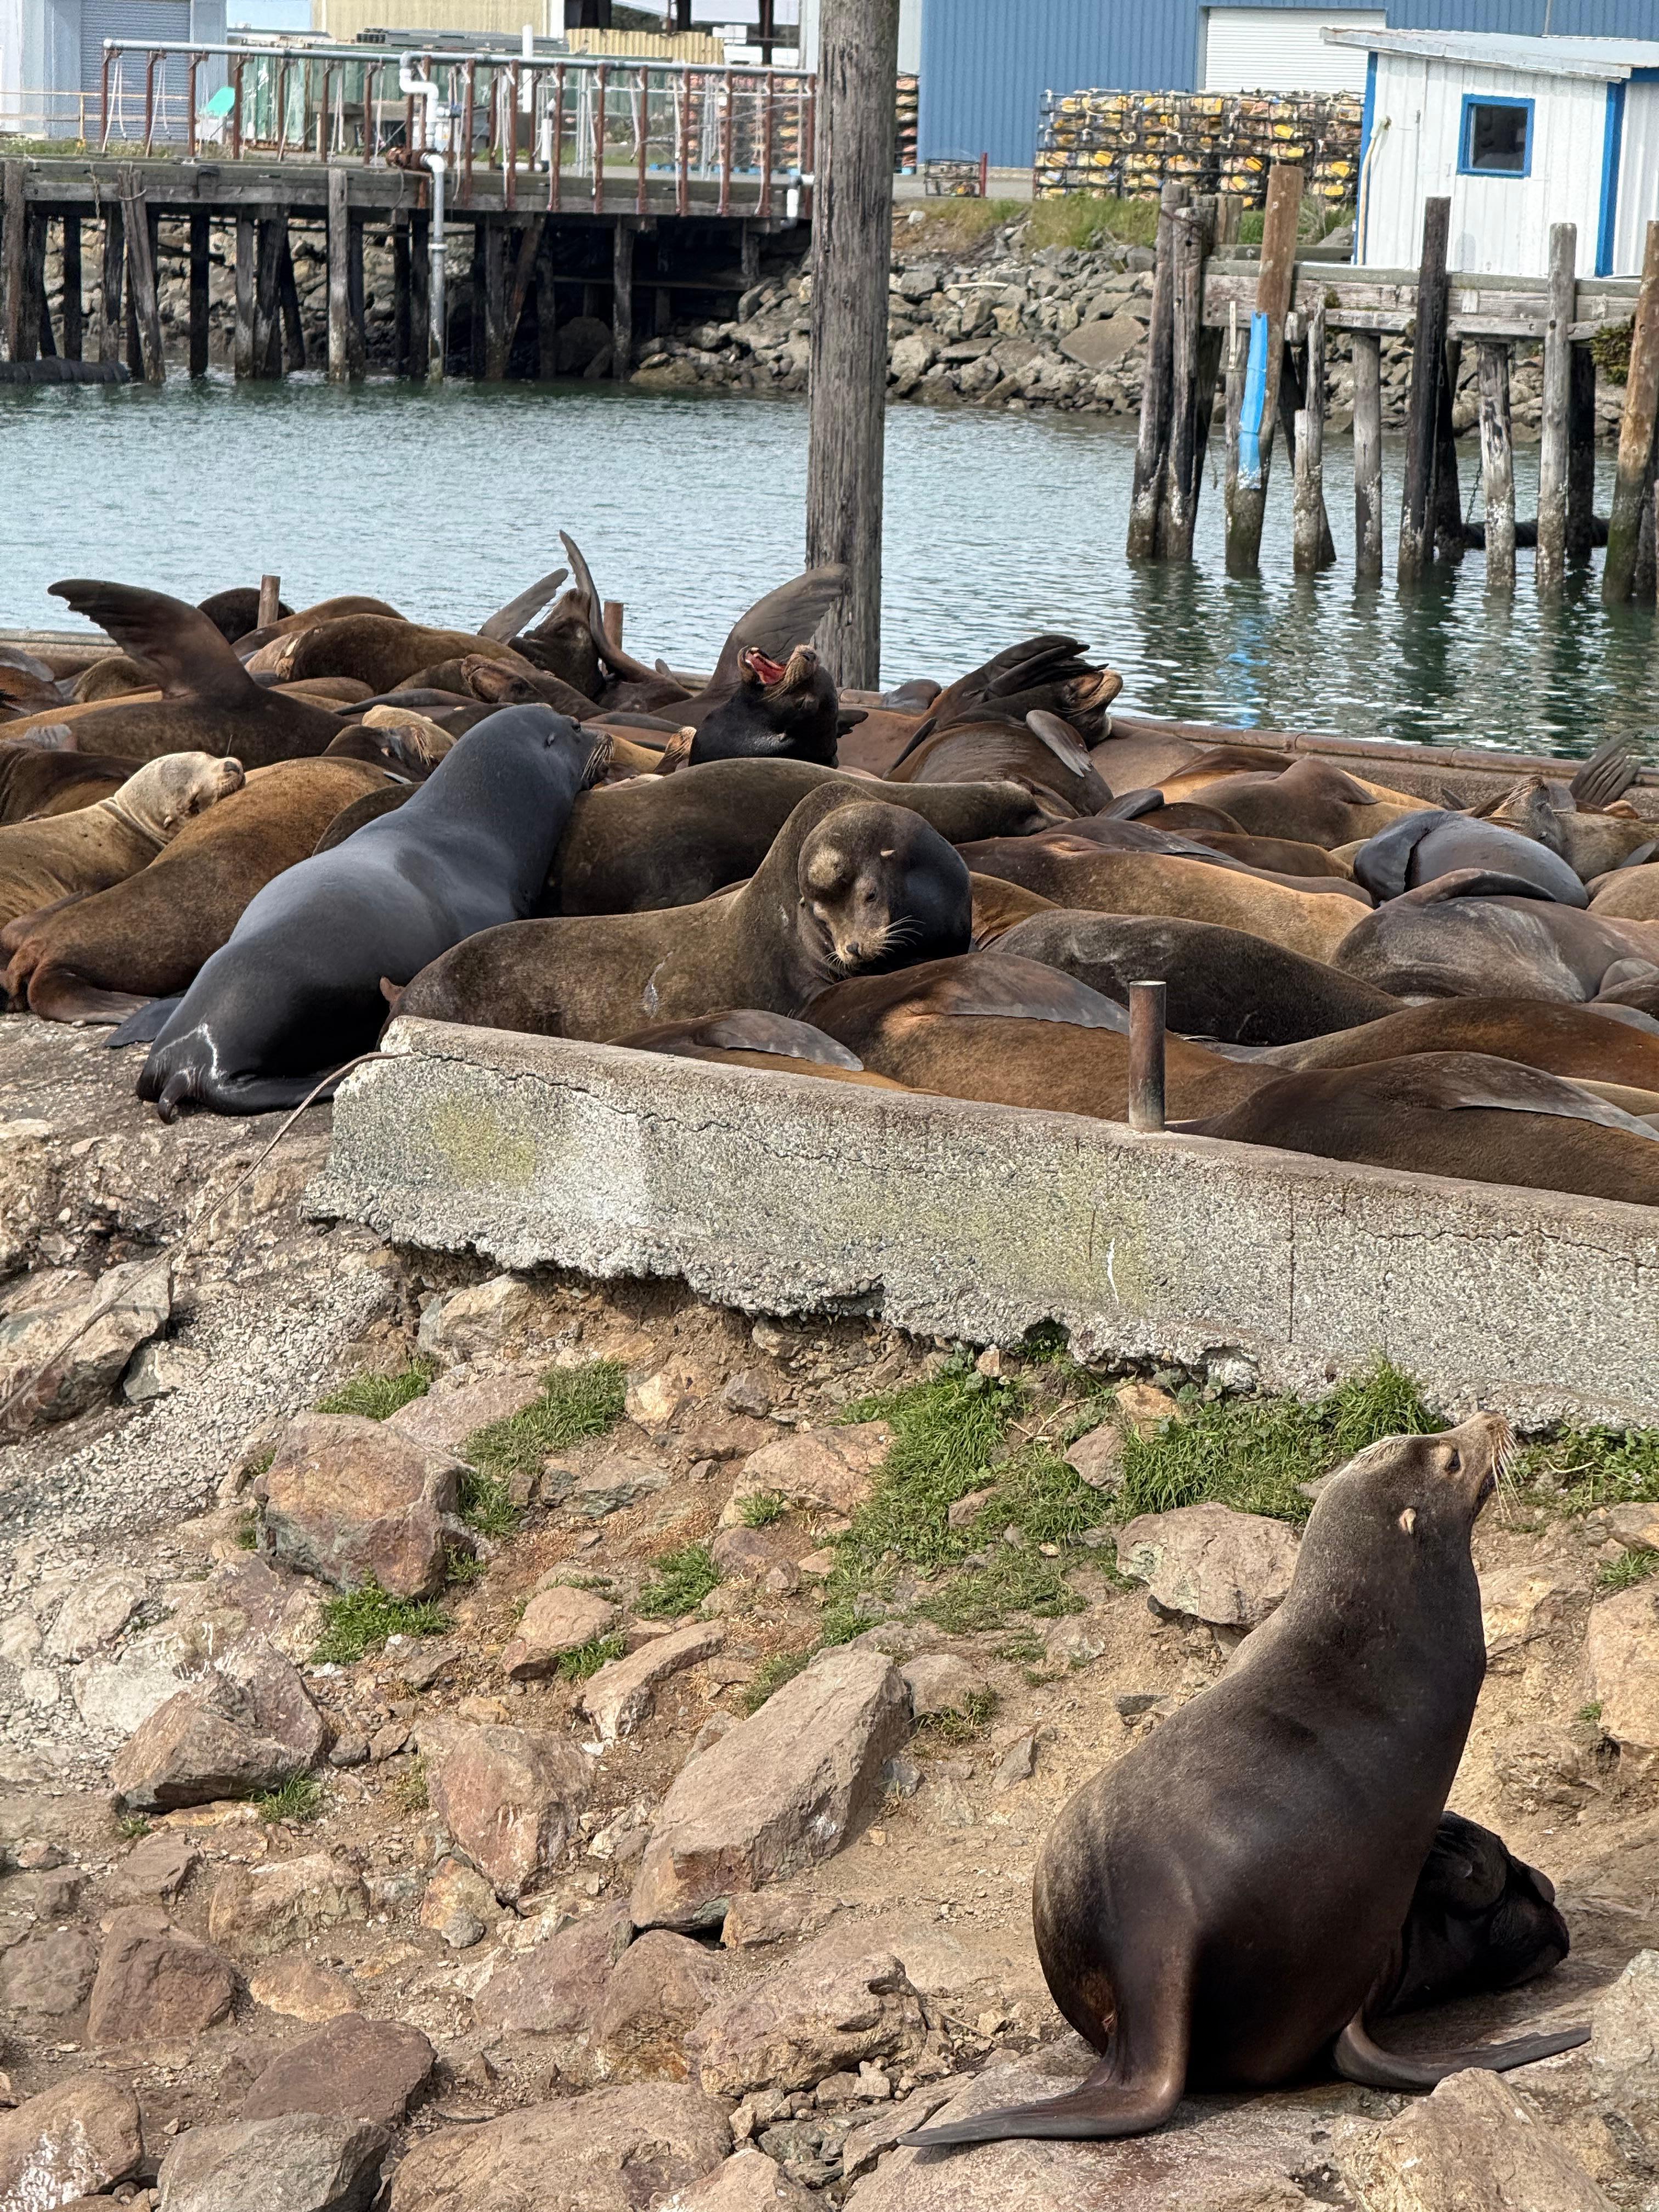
(785, 1193)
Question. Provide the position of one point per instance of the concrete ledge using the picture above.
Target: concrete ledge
(783, 1193)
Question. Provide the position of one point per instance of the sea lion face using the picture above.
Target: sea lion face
(785, 709)
(880, 889)
(1432, 1486)
(165, 794)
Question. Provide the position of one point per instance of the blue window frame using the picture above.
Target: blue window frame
(1494, 138)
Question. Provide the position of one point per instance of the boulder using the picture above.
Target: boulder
(95, 1613)
(620, 1695)
(155, 1981)
(1622, 1649)
(750, 2181)
(243, 1726)
(612, 2150)
(1476, 2144)
(820, 2013)
(911, 360)
(508, 1796)
(118, 1695)
(1098, 1457)
(1519, 1605)
(609, 1482)
(1099, 344)
(939, 1682)
(352, 1501)
(258, 1911)
(1146, 1408)
(829, 1469)
(49, 1974)
(1227, 1568)
(554, 1989)
(303, 2162)
(751, 1555)
(459, 1905)
(1636, 1525)
(447, 1416)
(867, 2142)
(555, 1621)
(354, 2070)
(657, 1991)
(77, 2138)
(479, 1319)
(65, 1339)
(780, 1792)
(298, 1989)
(1624, 2044)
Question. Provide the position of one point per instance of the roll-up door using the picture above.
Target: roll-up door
(1280, 49)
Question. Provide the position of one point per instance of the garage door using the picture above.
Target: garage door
(1280, 49)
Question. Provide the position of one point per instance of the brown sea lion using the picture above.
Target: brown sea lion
(1574, 1041)
(1460, 1114)
(663, 841)
(1454, 938)
(34, 781)
(99, 959)
(847, 885)
(379, 650)
(211, 703)
(1221, 1908)
(115, 676)
(995, 751)
(1629, 894)
(744, 1037)
(348, 603)
(1033, 860)
(1311, 800)
(1000, 906)
(235, 613)
(515, 683)
(68, 855)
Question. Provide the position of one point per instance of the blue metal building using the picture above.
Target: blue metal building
(987, 64)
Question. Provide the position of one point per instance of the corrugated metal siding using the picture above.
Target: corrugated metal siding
(1569, 19)
(1257, 49)
(1498, 224)
(1638, 178)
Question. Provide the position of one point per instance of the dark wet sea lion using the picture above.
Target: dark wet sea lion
(210, 702)
(777, 710)
(1014, 1033)
(848, 884)
(1460, 1114)
(1573, 1041)
(1418, 849)
(33, 781)
(235, 613)
(1480, 1919)
(1217, 1910)
(379, 650)
(1453, 939)
(668, 842)
(70, 855)
(297, 989)
(1219, 982)
(369, 808)
(744, 1037)
(99, 959)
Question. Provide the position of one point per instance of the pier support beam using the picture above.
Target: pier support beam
(1636, 432)
(14, 263)
(38, 306)
(111, 287)
(547, 309)
(1157, 384)
(288, 293)
(1196, 360)
(1581, 455)
(1449, 540)
(478, 322)
(339, 283)
(622, 300)
(1550, 567)
(267, 311)
(497, 337)
(145, 306)
(852, 256)
(420, 294)
(1428, 372)
(401, 322)
(1312, 547)
(1247, 486)
(74, 337)
(1367, 456)
(1498, 466)
(201, 263)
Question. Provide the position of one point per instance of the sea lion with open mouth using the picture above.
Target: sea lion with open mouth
(781, 710)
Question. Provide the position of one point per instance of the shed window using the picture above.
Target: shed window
(1497, 140)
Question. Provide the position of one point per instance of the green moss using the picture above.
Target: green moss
(588, 1658)
(299, 1798)
(772, 1673)
(1610, 350)
(360, 1622)
(574, 1402)
(1630, 1568)
(131, 1826)
(377, 1397)
(763, 1508)
(682, 1580)
(248, 1531)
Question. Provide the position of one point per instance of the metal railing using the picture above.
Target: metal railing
(559, 130)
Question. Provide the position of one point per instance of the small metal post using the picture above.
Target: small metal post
(271, 599)
(1146, 1056)
(612, 619)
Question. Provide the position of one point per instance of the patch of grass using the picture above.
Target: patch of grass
(762, 1510)
(1090, 219)
(772, 1673)
(843, 1619)
(1253, 1454)
(682, 1580)
(131, 1826)
(377, 1397)
(359, 1622)
(976, 1713)
(409, 1788)
(575, 1402)
(299, 1798)
(1023, 1645)
(1588, 1467)
(487, 1503)
(951, 226)
(1590, 1713)
(248, 1531)
(463, 1568)
(945, 1433)
(1623, 1573)
(588, 1658)
(1016, 1578)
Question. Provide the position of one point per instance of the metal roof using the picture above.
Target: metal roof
(1610, 59)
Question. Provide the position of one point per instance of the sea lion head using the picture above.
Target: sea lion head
(880, 889)
(781, 710)
(165, 794)
(1480, 1919)
(1424, 1488)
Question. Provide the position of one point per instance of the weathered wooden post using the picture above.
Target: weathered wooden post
(271, 600)
(1311, 546)
(420, 293)
(622, 298)
(141, 280)
(547, 306)
(1197, 357)
(16, 324)
(1449, 545)
(339, 310)
(74, 307)
(1498, 465)
(111, 287)
(1635, 434)
(1581, 455)
(1367, 456)
(267, 315)
(288, 294)
(852, 255)
(1147, 1055)
(1247, 489)
(1156, 389)
(1428, 372)
(497, 337)
(1550, 566)
(200, 265)
(246, 257)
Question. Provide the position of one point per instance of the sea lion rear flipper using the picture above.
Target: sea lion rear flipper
(507, 622)
(57, 994)
(188, 653)
(1130, 805)
(144, 1027)
(1608, 774)
(1357, 2058)
(1101, 2107)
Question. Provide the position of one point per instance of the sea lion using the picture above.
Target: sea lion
(668, 842)
(1217, 1910)
(1461, 1114)
(115, 676)
(1574, 1041)
(1047, 672)
(1014, 1033)
(209, 704)
(379, 650)
(1311, 800)
(1031, 860)
(1000, 906)
(34, 781)
(1629, 894)
(235, 613)
(99, 958)
(1218, 982)
(297, 989)
(992, 749)
(70, 855)
(1418, 848)
(847, 885)
(1464, 936)
(777, 710)
(745, 1037)
(1480, 1920)
(248, 648)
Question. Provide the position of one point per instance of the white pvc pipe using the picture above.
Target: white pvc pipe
(435, 161)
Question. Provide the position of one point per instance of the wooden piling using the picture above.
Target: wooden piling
(1636, 432)
(402, 326)
(38, 307)
(267, 315)
(1646, 577)
(622, 300)
(852, 257)
(141, 281)
(288, 294)
(339, 318)
(1498, 465)
(356, 326)
(478, 329)
(496, 335)
(547, 309)
(610, 618)
(522, 262)
(1157, 383)
(1259, 402)
(271, 600)
(1197, 357)
(1312, 546)
(16, 327)
(247, 254)
(1367, 456)
(73, 308)
(111, 284)
(1550, 565)
(1581, 455)
(1428, 372)
(1449, 543)
(420, 293)
(201, 262)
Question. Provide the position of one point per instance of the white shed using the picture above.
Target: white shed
(1521, 133)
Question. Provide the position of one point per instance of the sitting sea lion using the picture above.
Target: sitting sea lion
(69, 854)
(744, 1037)
(1418, 848)
(1466, 936)
(847, 885)
(99, 959)
(209, 702)
(1220, 1909)
(297, 990)
(779, 710)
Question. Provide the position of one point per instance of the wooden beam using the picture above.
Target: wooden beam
(17, 329)
(267, 315)
(201, 263)
(420, 293)
(74, 307)
(1550, 566)
(141, 281)
(496, 340)
(340, 303)
(1311, 547)
(1368, 457)
(1156, 385)
(111, 283)
(1428, 372)
(622, 300)
(547, 307)
(1636, 433)
(357, 305)
(852, 255)
(1498, 467)
(1581, 455)
(402, 325)
(38, 306)
(479, 331)
(1259, 405)
(248, 256)
(1449, 545)
(1197, 362)
(288, 294)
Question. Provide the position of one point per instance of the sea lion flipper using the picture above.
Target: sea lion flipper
(142, 1027)
(189, 653)
(58, 995)
(1608, 774)
(782, 620)
(507, 622)
(1357, 2057)
(1102, 2106)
